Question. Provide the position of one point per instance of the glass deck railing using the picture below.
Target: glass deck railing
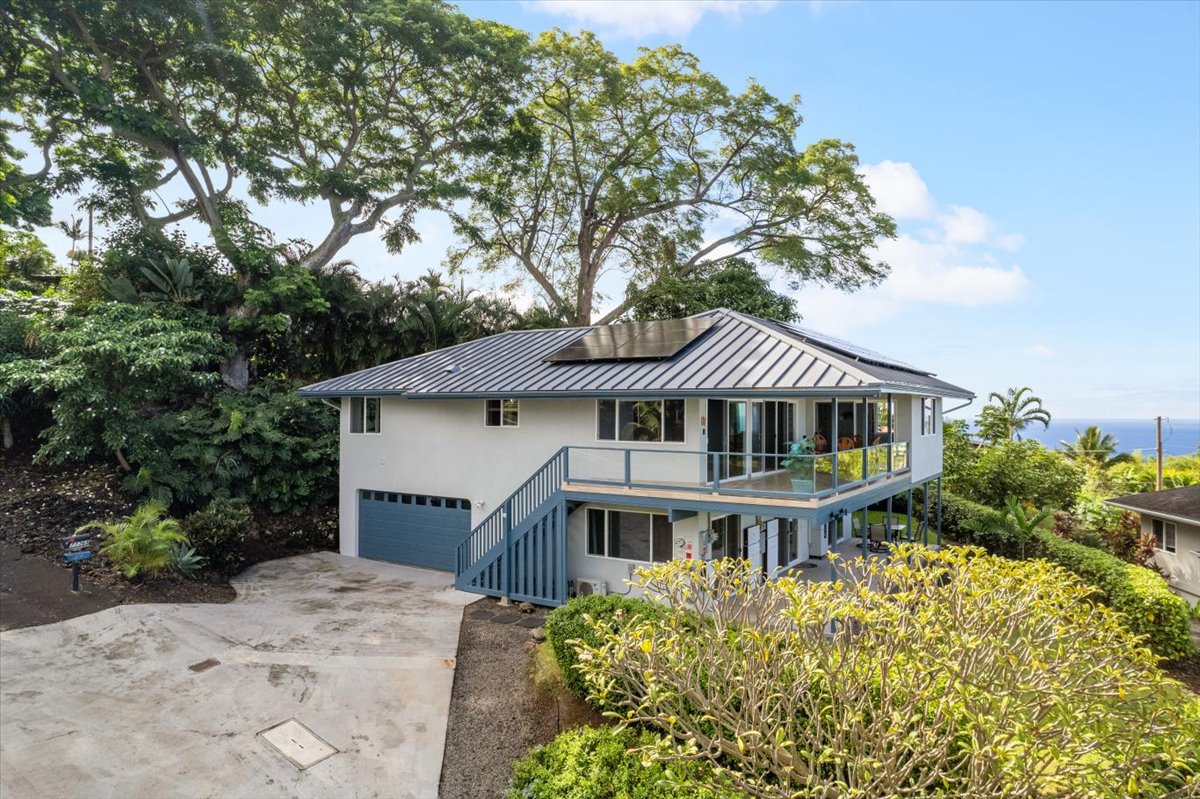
(755, 473)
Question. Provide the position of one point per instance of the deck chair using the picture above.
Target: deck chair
(878, 540)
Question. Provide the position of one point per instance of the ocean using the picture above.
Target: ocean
(1180, 436)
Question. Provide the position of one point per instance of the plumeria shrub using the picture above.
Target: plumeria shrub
(951, 673)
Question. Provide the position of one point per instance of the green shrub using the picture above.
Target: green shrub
(956, 673)
(143, 544)
(595, 763)
(957, 514)
(220, 531)
(567, 623)
(1147, 606)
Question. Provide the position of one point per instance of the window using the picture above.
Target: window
(928, 416)
(640, 420)
(364, 414)
(1164, 535)
(502, 413)
(727, 538)
(629, 536)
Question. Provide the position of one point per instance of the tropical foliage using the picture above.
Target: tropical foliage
(1095, 448)
(144, 544)
(1055, 697)
(1008, 414)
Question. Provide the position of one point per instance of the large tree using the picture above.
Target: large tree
(368, 108)
(655, 167)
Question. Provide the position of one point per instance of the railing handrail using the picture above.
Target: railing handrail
(600, 448)
(860, 467)
(527, 497)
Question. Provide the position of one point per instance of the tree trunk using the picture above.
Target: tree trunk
(235, 372)
(6, 430)
(121, 460)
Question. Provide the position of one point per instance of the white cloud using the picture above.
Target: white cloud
(647, 17)
(898, 190)
(1039, 351)
(948, 257)
(964, 225)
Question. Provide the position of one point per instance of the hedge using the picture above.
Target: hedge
(1147, 605)
(593, 763)
(956, 512)
(567, 623)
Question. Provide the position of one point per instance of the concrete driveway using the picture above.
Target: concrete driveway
(362, 653)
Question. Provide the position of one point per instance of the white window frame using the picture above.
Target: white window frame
(933, 417)
(378, 416)
(1166, 537)
(587, 535)
(487, 407)
(662, 414)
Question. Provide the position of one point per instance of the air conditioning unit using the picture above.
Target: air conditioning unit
(587, 586)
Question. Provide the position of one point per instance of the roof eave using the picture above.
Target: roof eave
(1155, 513)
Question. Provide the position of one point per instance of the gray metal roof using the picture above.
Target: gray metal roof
(740, 354)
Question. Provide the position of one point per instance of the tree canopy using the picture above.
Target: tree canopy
(371, 109)
(654, 167)
(1008, 414)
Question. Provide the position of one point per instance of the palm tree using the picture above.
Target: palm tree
(1011, 532)
(74, 231)
(1095, 447)
(1016, 409)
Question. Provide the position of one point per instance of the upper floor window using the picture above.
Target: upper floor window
(1164, 535)
(928, 416)
(364, 414)
(640, 420)
(502, 413)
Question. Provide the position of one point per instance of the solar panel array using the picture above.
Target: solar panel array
(634, 341)
(846, 348)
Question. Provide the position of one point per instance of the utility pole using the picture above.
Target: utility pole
(1158, 451)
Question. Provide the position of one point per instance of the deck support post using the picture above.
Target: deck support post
(889, 517)
(866, 532)
(939, 512)
(925, 508)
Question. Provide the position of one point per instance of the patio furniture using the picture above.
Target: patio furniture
(820, 443)
(878, 540)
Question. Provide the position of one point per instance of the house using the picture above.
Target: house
(1173, 518)
(534, 462)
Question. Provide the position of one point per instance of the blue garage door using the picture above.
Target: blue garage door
(416, 529)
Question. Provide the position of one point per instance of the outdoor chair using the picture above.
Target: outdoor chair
(878, 540)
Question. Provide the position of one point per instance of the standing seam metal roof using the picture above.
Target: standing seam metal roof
(739, 353)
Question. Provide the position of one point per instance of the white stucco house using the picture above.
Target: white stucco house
(535, 463)
(1172, 516)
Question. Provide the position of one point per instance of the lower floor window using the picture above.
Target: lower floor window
(628, 535)
(1164, 535)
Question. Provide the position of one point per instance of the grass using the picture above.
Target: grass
(880, 517)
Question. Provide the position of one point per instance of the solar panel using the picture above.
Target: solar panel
(634, 341)
(846, 348)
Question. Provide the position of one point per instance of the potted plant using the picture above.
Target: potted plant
(800, 462)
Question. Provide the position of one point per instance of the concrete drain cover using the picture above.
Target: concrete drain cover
(297, 743)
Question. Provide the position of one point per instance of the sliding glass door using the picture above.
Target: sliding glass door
(751, 434)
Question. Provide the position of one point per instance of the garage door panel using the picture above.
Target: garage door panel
(412, 529)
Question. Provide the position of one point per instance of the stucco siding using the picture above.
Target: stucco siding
(443, 448)
(1181, 567)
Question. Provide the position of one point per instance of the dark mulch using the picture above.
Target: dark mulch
(497, 711)
(40, 504)
(1187, 671)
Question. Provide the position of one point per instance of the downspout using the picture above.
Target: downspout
(957, 407)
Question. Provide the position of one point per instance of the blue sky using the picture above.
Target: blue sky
(1043, 162)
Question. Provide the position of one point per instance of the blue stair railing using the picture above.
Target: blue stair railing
(519, 550)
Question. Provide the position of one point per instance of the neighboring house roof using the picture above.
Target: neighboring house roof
(738, 354)
(1178, 504)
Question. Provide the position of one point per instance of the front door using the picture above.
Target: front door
(749, 433)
